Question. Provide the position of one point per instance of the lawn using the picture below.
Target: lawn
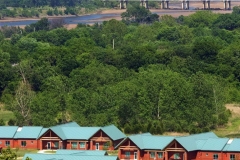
(50, 152)
(112, 153)
(22, 152)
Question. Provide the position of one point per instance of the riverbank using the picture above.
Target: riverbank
(107, 14)
(175, 11)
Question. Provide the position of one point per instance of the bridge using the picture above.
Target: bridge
(164, 4)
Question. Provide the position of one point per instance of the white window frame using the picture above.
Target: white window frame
(127, 154)
(7, 143)
(215, 156)
(176, 156)
(152, 154)
(232, 157)
(23, 143)
(160, 154)
(82, 144)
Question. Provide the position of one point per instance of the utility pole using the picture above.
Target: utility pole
(113, 44)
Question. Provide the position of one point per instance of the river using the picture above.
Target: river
(94, 18)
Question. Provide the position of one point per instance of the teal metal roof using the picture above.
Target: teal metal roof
(7, 131)
(195, 141)
(81, 133)
(69, 124)
(200, 143)
(82, 152)
(205, 135)
(44, 130)
(157, 142)
(28, 132)
(233, 145)
(66, 157)
(214, 144)
(151, 142)
(113, 132)
(189, 143)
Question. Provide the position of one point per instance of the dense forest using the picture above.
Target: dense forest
(141, 74)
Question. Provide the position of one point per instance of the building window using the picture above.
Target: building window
(7, 143)
(215, 156)
(232, 156)
(176, 156)
(160, 155)
(206, 154)
(82, 144)
(31, 142)
(127, 154)
(74, 145)
(56, 144)
(152, 154)
(23, 143)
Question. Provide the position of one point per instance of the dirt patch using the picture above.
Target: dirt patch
(235, 109)
(175, 134)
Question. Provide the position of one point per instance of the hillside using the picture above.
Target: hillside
(233, 127)
(141, 74)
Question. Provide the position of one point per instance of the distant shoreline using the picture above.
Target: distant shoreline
(107, 11)
(118, 12)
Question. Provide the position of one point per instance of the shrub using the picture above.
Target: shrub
(50, 12)
(56, 12)
(127, 129)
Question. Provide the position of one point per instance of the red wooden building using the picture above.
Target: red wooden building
(70, 136)
(7, 136)
(143, 147)
(204, 146)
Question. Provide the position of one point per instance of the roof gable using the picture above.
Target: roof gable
(28, 132)
(43, 131)
(58, 131)
(8, 131)
(113, 132)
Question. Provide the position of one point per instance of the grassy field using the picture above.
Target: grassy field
(21, 152)
(232, 129)
(6, 115)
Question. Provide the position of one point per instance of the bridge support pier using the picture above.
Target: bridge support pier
(227, 4)
(162, 5)
(123, 4)
(208, 5)
(183, 4)
(167, 4)
(204, 4)
(144, 3)
(187, 4)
